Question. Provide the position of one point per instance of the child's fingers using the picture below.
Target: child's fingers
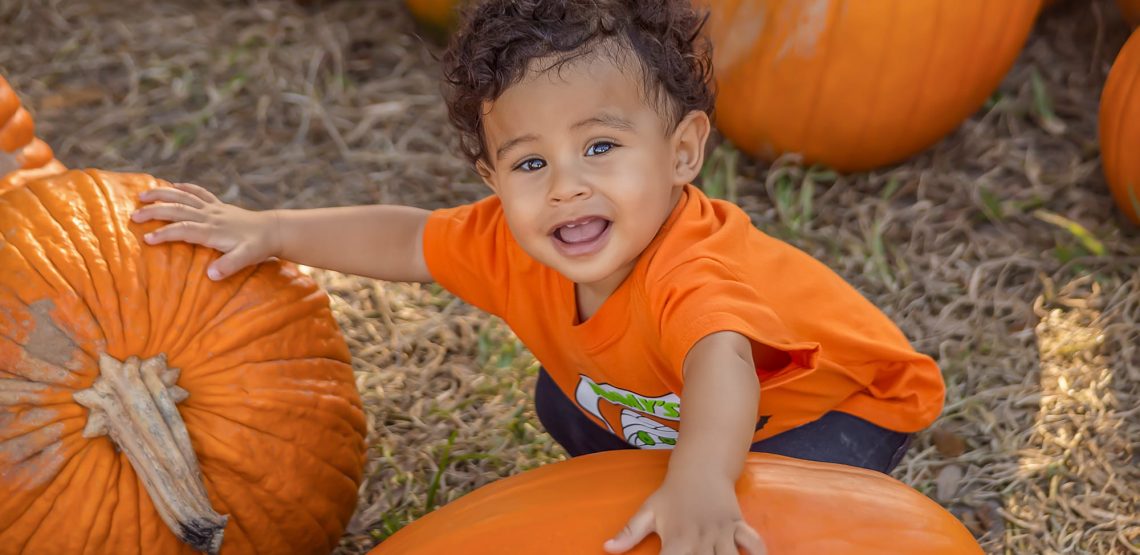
(190, 232)
(748, 539)
(726, 542)
(231, 263)
(640, 526)
(197, 191)
(166, 194)
(167, 213)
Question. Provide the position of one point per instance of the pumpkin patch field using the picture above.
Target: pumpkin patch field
(972, 167)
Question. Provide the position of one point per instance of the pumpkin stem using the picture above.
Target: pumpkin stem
(134, 403)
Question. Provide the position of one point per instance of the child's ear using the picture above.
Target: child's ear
(487, 174)
(689, 140)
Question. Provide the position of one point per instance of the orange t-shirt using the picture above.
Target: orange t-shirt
(707, 270)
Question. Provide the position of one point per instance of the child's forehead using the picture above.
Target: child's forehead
(563, 84)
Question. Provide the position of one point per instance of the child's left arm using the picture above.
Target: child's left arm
(695, 510)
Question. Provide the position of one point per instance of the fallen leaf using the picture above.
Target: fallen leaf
(948, 443)
(947, 482)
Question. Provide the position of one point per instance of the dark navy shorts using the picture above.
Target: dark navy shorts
(837, 437)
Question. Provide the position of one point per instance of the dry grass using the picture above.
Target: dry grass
(968, 246)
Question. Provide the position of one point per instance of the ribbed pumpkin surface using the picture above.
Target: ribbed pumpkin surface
(857, 84)
(1120, 128)
(273, 415)
(20, 149)
(798, 507)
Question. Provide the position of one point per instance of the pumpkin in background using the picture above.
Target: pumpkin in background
(1119, 122)
(23, 156)
(438, 16)
(798, 507)
(1130, 9)
(138, 397)
(857, 84)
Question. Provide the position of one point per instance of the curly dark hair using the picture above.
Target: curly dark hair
(500, 38)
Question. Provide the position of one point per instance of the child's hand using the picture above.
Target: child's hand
(247, 237)
(698, 515)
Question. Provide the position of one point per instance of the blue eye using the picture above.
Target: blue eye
(531, 164)
(600, 147)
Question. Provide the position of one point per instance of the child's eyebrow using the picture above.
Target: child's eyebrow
(502, 150)
(606, 120)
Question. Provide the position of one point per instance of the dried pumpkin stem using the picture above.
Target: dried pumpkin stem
(134, 402)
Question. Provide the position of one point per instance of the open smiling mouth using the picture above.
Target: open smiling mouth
(582, 237)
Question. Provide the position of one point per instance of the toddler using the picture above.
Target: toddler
(663, 319)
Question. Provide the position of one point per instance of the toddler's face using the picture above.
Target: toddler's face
(584, 168)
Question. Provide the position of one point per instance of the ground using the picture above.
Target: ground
(998, 251)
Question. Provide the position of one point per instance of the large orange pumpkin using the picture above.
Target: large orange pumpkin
(1130, 9)
(857, 84)
(23, 156)
(798, 507)
(101, 336)
(1120, 128)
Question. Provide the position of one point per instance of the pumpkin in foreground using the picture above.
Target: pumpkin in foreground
(798, 507)
(1119, 122)
(146, 409)
(857, 84)
(23, 156)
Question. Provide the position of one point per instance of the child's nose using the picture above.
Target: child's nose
(567, 186)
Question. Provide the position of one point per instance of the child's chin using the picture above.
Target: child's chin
(584, 276)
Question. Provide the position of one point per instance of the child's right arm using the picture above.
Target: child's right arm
(378, 241)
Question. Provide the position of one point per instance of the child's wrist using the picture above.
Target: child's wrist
(693, 468)
(275, 234)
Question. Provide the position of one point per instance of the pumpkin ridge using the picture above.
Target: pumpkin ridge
(824, 45)
(909, 120)
(184, 339)
(83, 294)
(875, 103)
(9, 427)
(117, 254)
(282, 316)
(31, 376)
(236, 367)
(109, 496)
(68, 463)
(962, 93)
(260, 494)
(49, 257)
(283, 441)
(100, 221)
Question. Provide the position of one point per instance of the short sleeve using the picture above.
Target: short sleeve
(702, 296)
(466, 250)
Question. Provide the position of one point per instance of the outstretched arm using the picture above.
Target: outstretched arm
(695, 510)
(378, 241)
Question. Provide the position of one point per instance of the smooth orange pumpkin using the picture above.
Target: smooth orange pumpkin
(858, 84)
(799, 507)
(101, 336)
(1130, 9)
(1120, 128)
(23, 156)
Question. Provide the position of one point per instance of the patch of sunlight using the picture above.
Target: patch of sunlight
(1070, 497)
